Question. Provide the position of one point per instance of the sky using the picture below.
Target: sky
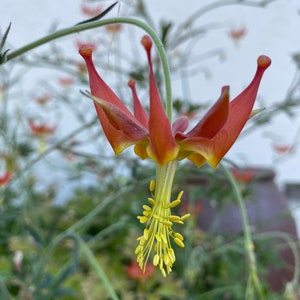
(272, 31)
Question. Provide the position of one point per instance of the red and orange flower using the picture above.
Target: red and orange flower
(41, 129)
(154, 137)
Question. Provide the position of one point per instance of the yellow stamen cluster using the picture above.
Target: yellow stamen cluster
(158, 232)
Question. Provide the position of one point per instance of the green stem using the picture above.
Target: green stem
(88, 254)
(253, 281)
(87, 26)
(97, 268)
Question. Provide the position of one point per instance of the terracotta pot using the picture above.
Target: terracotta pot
(267, 210)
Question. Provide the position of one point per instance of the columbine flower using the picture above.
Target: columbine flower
(41, 130)
(91, 10)
(113, 28)
(154, 137)
(66, 81)
(243, 175)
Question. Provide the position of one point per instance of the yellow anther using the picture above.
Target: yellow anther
(184, 217)
(178, 236)
(179, 242)
(172, 259)
(180, 195)
(158, 237)
(167, 260)
(151, 201)
(147, 213)
(155, 260)
(163, 237)
(146, 207)
(172, 254)
(143, 219)
(142, 240)
(158, 231)
(174, 218)
(174, 203)
(167, 223)
(146, 234)
(137, 249)
(163, 272)
(152, 185)
(161, 264)
(179, 222)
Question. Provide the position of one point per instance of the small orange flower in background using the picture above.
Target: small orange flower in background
(90, 10)
(43, 99)
(66, 81)
(41, 129)
(237, 34)
(5, 178)
(134, 272)
(243, 175)
(283, 148)
(112, 28)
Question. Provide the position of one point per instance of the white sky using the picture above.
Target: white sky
(273, 31)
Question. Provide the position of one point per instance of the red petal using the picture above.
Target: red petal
(120, 121)
(163, 147)
(180, 125)
(213, 120)
(240, 109)
(139, 111)
(116, 137)
(98, 87)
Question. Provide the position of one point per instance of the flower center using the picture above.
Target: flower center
(159, 222)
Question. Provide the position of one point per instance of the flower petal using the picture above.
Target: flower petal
(213, 120)
(162, 147)
(98, 87)
(117, 135)
(180, 125)
(139, 111)
(121, 121)
(239, 112)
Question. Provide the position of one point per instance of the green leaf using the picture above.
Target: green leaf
(98, 17)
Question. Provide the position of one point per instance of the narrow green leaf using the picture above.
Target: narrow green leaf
(98, 17)
(3, 40)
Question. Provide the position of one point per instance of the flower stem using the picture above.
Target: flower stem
(254, 285)
(97, 268)
(86, 26)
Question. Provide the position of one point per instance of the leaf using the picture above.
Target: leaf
(2, 43)
(3, 40)
(98, 17)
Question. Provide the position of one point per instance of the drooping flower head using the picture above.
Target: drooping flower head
(41, 131)
(154, 137)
